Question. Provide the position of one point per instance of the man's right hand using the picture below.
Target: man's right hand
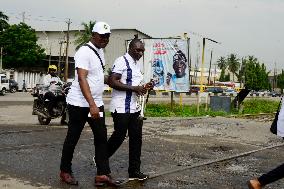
(94, 111)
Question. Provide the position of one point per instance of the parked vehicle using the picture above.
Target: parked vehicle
(214, 89)
(259, 93)
(196, 88)
(230, 92)
(4, 84)
(274, 94)
(13, 85)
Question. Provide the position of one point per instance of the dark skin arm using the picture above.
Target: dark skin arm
(85, 88)
(114, 82)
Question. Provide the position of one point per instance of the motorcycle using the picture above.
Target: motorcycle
(46, 108)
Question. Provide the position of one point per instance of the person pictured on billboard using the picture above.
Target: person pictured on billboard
(179, 80)
(168, 83)
(158, 73)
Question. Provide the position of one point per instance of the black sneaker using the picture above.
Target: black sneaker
(138, 176)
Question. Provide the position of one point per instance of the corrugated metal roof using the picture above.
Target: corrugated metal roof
(83, 30)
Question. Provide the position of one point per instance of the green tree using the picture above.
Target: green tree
(223, 76)
(280, 81)
(20, 47)
(256, 76)
(233, 64)
(221, 63)
(3, 21)
(85, 35)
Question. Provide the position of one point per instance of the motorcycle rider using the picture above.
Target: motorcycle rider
(50, 81)
(49, 85)
(51, 77)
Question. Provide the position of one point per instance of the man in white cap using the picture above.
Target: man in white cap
(85, 104)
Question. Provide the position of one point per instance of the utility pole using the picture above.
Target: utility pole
(49, 59)
(214, 74)
(210, 67)
(275, 76)
(67, 46)
(196, 65)
(23, 17)
(189, 57)
(1, 56)
(202, 64)
(59, 59)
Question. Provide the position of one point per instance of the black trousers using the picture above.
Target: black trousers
(51, 97)
(272, 175)
(77, 120)
(124, 122)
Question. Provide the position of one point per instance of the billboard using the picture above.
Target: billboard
(166, 62)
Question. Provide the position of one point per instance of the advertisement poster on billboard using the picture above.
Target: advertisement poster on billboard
(166, 62)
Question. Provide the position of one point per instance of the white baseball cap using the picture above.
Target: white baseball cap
(101, 28)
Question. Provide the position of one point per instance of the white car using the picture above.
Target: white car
(231, 92)
(4, 84)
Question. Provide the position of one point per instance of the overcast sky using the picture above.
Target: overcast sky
(243, 27)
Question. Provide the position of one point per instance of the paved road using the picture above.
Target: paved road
(174, 151)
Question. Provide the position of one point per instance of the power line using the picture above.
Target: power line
(24, 17)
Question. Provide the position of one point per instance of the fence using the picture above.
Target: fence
(30, 78)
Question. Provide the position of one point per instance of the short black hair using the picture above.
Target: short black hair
(179, 55)
(134, 41)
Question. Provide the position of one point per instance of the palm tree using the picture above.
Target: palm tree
(3, 21)
(221, 63)
(233, 64)
(85, 35)
(252, 59)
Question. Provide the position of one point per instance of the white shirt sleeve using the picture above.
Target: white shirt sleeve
(118, 66)
(46, 80)
(82, 59)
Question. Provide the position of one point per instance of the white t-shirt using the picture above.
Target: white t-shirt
(123, 101)
(280, 121)
(85, 58)
(48, 79)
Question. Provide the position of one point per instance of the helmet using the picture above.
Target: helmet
(52, 67)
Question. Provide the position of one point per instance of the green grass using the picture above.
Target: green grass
(256, 106)
(250, 106)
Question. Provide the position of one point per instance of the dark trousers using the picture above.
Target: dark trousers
(51, 97)
(272, 175)
(122, 123)
(77, 120)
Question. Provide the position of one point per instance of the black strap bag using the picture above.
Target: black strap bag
(97, 55)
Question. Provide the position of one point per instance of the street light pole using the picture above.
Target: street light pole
(202, 65)
(209, 73)
(1, 56)
(67, 46)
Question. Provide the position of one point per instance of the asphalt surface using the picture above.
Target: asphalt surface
(194, 153)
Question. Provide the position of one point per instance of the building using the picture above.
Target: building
(54, 43)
